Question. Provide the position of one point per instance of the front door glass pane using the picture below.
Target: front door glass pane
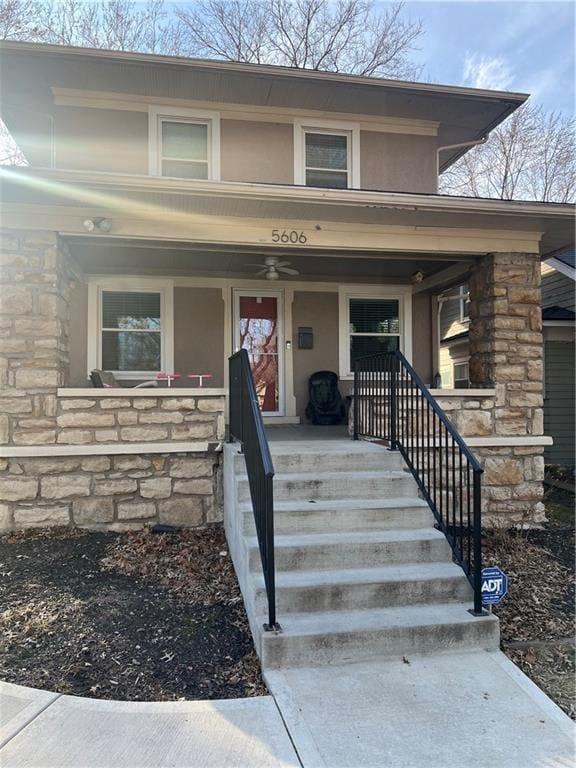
(259, 337)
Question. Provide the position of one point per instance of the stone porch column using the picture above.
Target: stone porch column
(506, 352)
(34, 328)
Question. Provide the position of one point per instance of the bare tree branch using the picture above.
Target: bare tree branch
(531, 156)
(353, 36)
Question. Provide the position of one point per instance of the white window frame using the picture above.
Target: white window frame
(460, 361)
(351, 130)
(165, 288)
(463, 300)
(157, 115)
(402, 294)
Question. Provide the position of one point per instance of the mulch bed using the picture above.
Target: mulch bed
(537, 616)
(135, 616)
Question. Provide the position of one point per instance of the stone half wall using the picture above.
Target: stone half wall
(512, 480)
(116, 492)
(117, 460)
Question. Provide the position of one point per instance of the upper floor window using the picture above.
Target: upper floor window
(327, 155)
(184, 143)
(327, 160)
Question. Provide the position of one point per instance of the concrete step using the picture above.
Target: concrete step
(337, 485)
(316, 461)
(350, 636)
(338, 515)
(335, 551)
(365, 588)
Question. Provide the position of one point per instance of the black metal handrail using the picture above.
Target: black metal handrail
(392, 403)
(247, 426)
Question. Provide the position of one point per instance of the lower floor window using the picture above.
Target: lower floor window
(131, 331)
(374, 326)
(461, 375)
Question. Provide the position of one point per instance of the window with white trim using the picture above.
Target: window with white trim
(131, 331)
(461, 374)
(130, 327)
(327, 154)
(373, 326)
(327, 159)
(184, 144)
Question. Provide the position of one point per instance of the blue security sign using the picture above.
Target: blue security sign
(494, 586)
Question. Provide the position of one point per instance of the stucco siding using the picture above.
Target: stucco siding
(257, 152)
(101, 140)
(560, 395)
(320, 312)
(199, 334)
(395, 162)
(422, 329)
(78, 335)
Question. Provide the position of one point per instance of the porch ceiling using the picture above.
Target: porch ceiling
(110, 256)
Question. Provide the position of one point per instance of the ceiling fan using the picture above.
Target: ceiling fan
(272, 267)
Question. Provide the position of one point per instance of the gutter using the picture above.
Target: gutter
(462, 145)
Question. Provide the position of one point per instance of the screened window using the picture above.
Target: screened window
(184, 149)
(374, 326)
(327, 159)
(131, 328)
(461, 376)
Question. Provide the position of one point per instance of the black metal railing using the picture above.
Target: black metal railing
(247, 427)
(392, 403)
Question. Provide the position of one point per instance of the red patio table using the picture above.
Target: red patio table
(168, 377)
(200, 377)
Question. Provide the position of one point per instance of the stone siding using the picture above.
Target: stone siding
(36, 277)
(101, 420)
(110, 492)
(506, 352)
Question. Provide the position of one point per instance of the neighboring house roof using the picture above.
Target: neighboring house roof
(558, 313)
(457, 337)
(32, 72)
(567, 257)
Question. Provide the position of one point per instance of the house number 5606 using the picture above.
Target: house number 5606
(288, 236)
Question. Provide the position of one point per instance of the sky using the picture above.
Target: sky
(516, 46)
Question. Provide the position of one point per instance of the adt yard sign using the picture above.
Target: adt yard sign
(494, 586)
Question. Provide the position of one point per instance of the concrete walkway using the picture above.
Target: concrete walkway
(463, 710)
(467, 710)
(46, 730)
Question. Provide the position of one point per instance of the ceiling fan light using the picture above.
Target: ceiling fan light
(272, 275)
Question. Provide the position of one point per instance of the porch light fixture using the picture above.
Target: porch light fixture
(417, 277)
(99, 223)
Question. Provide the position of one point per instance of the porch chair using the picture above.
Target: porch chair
(107, 380)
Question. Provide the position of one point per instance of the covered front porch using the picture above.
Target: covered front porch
(143, 308)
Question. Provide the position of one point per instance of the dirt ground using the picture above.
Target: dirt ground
(134, 616)
(537, 616)
(144, 616)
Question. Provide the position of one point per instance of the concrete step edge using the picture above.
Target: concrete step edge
(402, 573)
(411, 535)
(377, 474)
(405, 617)
(333, 505)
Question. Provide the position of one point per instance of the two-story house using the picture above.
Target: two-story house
(175, 210)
